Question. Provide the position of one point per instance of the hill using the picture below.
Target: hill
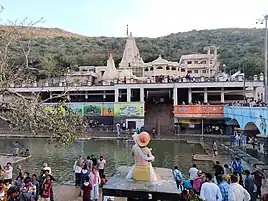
(41, 32)
(239, 48)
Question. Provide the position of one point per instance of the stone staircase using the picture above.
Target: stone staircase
(160, 116)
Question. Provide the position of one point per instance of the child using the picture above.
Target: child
(37, 184)
(46, 189)
(86, 188)
(184, 196)
(103, 180)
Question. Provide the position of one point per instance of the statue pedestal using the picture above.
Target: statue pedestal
(119, 186)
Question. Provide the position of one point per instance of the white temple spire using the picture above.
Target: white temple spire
(131, 56)
(111, 72)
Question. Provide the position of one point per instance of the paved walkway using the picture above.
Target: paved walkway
(70, 193)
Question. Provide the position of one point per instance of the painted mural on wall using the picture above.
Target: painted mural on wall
(129, 109)
(77, 107)
(108, 109)
(93, 109)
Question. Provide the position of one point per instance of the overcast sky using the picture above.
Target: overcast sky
(150, 18)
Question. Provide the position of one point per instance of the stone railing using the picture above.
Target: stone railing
(112, 83)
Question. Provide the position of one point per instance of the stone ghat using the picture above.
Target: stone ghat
(5, 158)
(119, 186)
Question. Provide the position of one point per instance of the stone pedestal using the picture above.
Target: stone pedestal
(119, 186)
(202, 79)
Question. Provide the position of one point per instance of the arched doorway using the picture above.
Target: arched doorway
(229, 130)
(251, 129)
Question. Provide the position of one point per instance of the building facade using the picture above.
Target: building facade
(189, 92)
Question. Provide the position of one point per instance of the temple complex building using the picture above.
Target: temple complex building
(161, 94)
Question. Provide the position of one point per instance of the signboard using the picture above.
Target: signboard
(199, 111)
(129, 109)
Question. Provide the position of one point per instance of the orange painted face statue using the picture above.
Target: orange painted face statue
(142, 170)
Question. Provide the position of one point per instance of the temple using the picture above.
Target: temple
(161, 94)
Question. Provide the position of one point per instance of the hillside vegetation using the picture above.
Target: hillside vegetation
(239, 48)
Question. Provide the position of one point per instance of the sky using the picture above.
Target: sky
(145, 18)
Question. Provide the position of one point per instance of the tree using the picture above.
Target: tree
(30, 112)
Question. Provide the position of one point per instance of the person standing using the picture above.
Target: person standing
(46, 189)
(8, 173)
(77, 170)
(84, 173)
(193, 173)
(198, 181)
(95, 182)
(28, 187)
(118, 129)
(89, 163)
(37, 184)
(177, 176)
(3, 191)
(214, 148)
(16, 149)
(94, 160)
(258, 177)
(86, 188)
(238, 169)
(209, 190)
(249, 185)
(244, 140)
(101, 166)
(237, 192)
(218, 169)
(224, 187)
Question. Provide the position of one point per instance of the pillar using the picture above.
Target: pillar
(222, 95)
(175, 96)
(142, 95)
(128, 95)
(255, 94)
(205, 95)
(116, 95)
(189, 95)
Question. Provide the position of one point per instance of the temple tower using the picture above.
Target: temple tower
(131, 57)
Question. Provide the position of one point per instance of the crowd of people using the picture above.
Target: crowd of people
(227, 183)
(24, 186)
(89, 175)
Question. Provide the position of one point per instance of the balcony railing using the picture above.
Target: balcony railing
(199, 111)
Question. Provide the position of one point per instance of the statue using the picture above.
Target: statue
(143, 169)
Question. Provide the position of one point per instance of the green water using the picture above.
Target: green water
(116, 153)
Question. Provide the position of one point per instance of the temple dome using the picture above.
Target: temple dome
(160, 61)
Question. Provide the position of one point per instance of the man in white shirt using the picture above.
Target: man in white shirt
(193, 173)
(101, 165)
(210, 191)
(77, 170)
(8, 173)
(237, 192)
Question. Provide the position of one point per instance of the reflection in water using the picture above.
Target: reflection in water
(116, 153)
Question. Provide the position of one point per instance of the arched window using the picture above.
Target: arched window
(146, 69)
(173, 68)
(152, 69)
(167, 68)
(159, 68)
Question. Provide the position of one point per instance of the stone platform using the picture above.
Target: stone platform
(118, 186)
(5, 158)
